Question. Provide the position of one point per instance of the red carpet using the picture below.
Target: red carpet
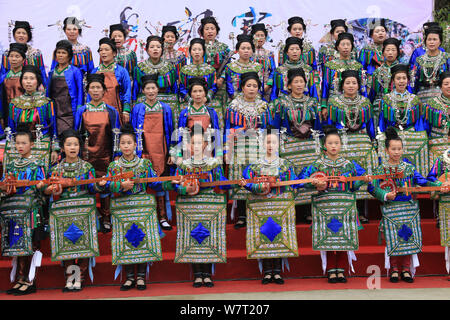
(185, 288)
(308, 264)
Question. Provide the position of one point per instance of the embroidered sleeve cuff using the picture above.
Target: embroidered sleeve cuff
(436, 183)
(167, 186)
(97, 188)
(182, 190)
(115, 187)
(126, 108)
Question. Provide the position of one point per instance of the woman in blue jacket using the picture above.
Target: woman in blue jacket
(65, 86)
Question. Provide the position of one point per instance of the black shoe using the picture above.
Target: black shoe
(125, 287)
(363, 219)
(197, 284)
(141, 286)
(240, 224)
(208, 284)
(68, 288)
(332, 280)
(341, 278)
(28, 290)
(105, 227)
(267, 279)
(165, 225)
(278, 280)
(14, 289)
(394, 279)
(406, 276)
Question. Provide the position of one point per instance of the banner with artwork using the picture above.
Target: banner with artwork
(144, 18)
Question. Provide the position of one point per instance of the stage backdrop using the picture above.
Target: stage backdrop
(144, 17)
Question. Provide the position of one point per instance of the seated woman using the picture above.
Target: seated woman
(401, 217)
(24, 242)
(336, 252)
(200, 205)
(73, 167)
(271, 165)
(141, 168)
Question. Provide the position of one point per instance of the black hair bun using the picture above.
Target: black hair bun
(197, 129)
(69, 133)
(127, 128)
(23, 127)
(329, 129)
(391, 133)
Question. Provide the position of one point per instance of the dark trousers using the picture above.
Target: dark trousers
(202, 270)
(271, 266)
(337, 260)
(140, 272)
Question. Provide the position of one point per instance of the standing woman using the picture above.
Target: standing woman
(263, 56)
(371, 56)
(402, 110)
(216, 52)
(399, 107)
(428, 67)
(197, 111)
(380, 81)
(353, 113)
(153, 122)
(35, 109)
(401, 217)
(155, 64)
(234, 70)
(336, 249)
(333, 69)
(10, 81)
(245, 114)
(297, 28)
(125, 56)
(296, 113)
(197, 68)
(176, 57)
(328, 51)
(99, 124)
(422, 49)
(436, 118)
(73, 167)
(82, 54)
(25, 167)
(294, 49)
(141, 168)
(65, 86)
(117, 80)
(350, 110)
(22, 34)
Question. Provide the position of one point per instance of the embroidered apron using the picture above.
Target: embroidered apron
(155, 148)
(205, 121)
(112, 96)
(63, 105)
(100, 140)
